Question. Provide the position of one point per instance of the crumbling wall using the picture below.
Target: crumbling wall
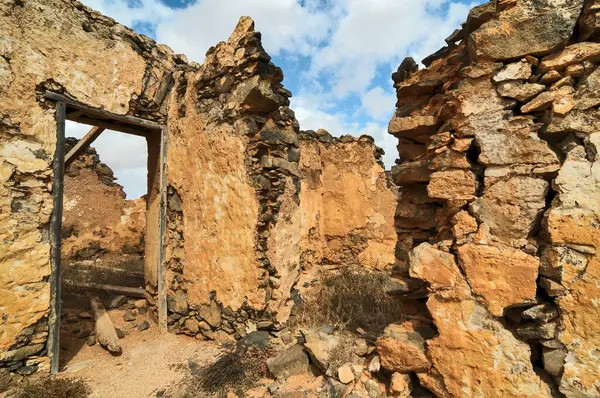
(233, 251)
(500, 191)
(347, 207)
(64, 46)
(97, 218)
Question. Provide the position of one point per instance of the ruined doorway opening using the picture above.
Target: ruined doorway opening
(152, 282)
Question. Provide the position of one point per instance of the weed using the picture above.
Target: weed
(233, 371)
(52, 387)
(349, 300)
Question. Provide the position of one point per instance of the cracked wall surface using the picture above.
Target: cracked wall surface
(247, 224)
(499, 196)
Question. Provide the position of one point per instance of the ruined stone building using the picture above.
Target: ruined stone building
(491, 217)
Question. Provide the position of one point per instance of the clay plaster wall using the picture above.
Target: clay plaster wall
(233, 224)
(499, 176)
(63, 46)
(347, 207)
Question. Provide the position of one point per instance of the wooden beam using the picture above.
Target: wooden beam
(101, 113)
(108, 125)
(83, 144)
(58, 170)
(162, 232)
(124, 290)
(105, 330)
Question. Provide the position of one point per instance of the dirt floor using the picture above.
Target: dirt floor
(151, 362)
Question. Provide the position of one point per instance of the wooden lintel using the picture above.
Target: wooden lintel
(109, 125)
(101, 113)
(83, 144)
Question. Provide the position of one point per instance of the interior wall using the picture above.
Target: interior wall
(347, 206)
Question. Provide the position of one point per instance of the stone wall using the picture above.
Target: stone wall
(242, 211)
(500, 182)
(63, 46)
(234, 205)
(347, 207)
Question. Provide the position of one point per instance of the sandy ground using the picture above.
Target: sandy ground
(151, 361)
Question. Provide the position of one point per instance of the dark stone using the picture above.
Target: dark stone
(292, 362)
(457, 35)
(27, 370)
(293, 155)
(120, 333)
(177, 303)
(259, 339)
(427, 61)
(143, 326)
(114, 301)
(277, 136)
(407, 67)
(480, 15)
(129, 316)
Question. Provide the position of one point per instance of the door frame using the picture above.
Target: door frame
(69, 109)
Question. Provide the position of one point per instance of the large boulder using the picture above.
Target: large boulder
(535, 27)
(501, 275)
(290, 362)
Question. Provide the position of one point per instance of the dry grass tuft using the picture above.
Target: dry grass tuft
(234, 371)
(51, 387)
(349, 300)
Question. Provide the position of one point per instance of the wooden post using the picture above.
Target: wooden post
(55, 239)
(82, 145)
(105, 330)
(162, 230)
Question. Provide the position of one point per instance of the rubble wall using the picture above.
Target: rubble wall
(499, 210)
(233, 218)
(347, 207)
(61, 46)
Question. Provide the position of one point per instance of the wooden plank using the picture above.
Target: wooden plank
(105, 330)
(101, 113)
(83, 144)
(108, 125)
(124, 290)
(55, 239)
(162, 231)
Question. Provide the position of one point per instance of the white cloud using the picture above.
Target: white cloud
(378, 103)
(285, 25)
(376, 32)
(150, 11)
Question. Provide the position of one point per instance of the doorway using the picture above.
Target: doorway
(155, 135)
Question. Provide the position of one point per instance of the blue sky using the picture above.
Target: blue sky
(337, 56)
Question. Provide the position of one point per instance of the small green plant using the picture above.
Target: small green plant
(52, 387)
